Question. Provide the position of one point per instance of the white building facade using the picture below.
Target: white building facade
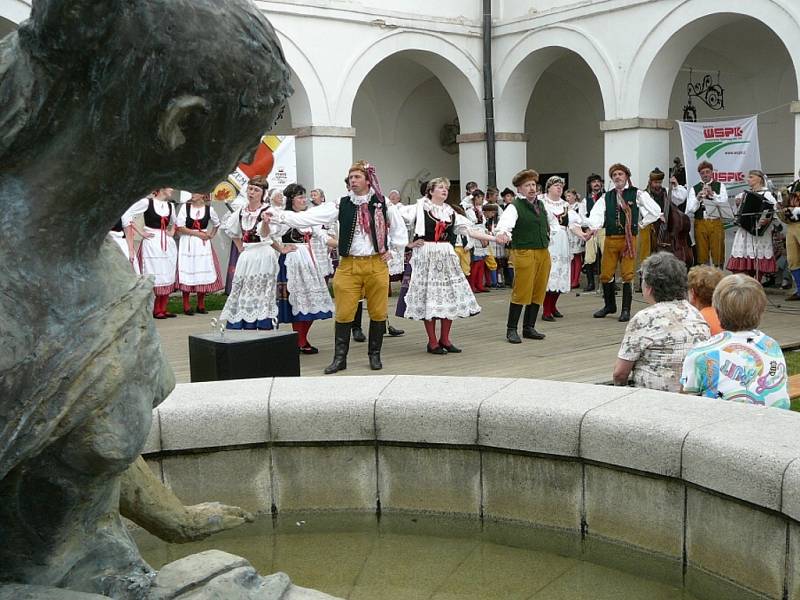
(577, 85)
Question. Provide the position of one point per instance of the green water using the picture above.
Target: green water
(416, 558)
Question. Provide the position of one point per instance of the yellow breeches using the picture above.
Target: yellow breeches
(793, 245)
(709, 235)
(464, 258)
(531, 272)
(612, 254)
(645, 241)
(360, 277)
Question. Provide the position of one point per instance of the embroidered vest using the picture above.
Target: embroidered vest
(615, 217)
(348, 218)
(250, 236)
(204, 220)
(532, 230)
(151, 218)
(430, 229)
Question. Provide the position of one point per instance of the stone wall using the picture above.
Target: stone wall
(687, 490)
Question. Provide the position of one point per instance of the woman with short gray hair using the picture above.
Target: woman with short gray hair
(659, 337)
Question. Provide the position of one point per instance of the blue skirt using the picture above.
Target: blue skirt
(285, 314)
(264, 324)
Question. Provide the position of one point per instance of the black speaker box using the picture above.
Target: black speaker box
(243, 355)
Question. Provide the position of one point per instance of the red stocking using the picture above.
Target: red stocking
(478, 267)
(201, 300)
(186, 305)
(302, 333)
(430, 329)
(160, 305)
(554, 298)
(575, 270)
(547, 309)
(445, 337)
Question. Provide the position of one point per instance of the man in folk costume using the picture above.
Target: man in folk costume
(594, 247)
(621, 211)
(708, 203)
(529, 222)
(368, 228)
(655, 187)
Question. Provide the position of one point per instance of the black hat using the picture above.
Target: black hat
(593, 177)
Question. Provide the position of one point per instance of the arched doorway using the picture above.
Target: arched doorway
(405, 124)
(562, 121)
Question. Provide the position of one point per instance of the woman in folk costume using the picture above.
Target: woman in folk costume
(251, 303)
(753, 254)
(322, 250)
(438, 288)
(158, 253)
(577, 243)
(559, 281)
(198, 265)
(303, 295)
(122, 234)
(477, 269)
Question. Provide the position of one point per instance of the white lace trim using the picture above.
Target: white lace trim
(438, 288)
(560, 258)
(308, 293)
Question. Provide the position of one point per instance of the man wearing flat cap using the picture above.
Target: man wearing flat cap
(530, 222)
(621, 211)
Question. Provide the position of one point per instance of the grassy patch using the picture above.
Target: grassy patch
(213, 302)
(793, 362)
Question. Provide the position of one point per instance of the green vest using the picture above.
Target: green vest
(348, 217)
(714, 186)
(531, 231)
(615, 217)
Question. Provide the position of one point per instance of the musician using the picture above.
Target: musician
(594, 247)
(752, 247)
(658, 193)
(621, 211)
(708, 204)
(794, 187)
(790, 214)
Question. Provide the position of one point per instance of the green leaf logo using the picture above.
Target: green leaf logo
(711, 148)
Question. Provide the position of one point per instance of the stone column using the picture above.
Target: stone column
(795, 109)
(324, 154)
(639, 143)
(472, 158)
(512, 156)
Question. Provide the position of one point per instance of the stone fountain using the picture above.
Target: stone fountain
(104, 100)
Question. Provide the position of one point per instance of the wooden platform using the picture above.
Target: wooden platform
(578, 347)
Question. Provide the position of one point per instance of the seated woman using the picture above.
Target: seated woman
(741, 364)
(703, 280)
(659, 337)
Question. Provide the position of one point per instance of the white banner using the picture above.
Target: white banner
(284, 170)
(731, 146)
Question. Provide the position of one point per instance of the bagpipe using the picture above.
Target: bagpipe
(755, 214)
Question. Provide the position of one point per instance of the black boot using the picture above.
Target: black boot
(590, 287)
(529, 322)
(341, 344)
(627, 298)
(610, 305)
(393, 331)
(358, 333)
(514, 312)
(376, 331)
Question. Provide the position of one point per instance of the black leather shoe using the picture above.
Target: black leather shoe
(513, 337)
(558, 315)
(189, 312)
(436, 350)
(358, 335)
(548, 318)
(309, 349)
(201, 311)
(531, 334)
(395, 332)
(451, 349)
